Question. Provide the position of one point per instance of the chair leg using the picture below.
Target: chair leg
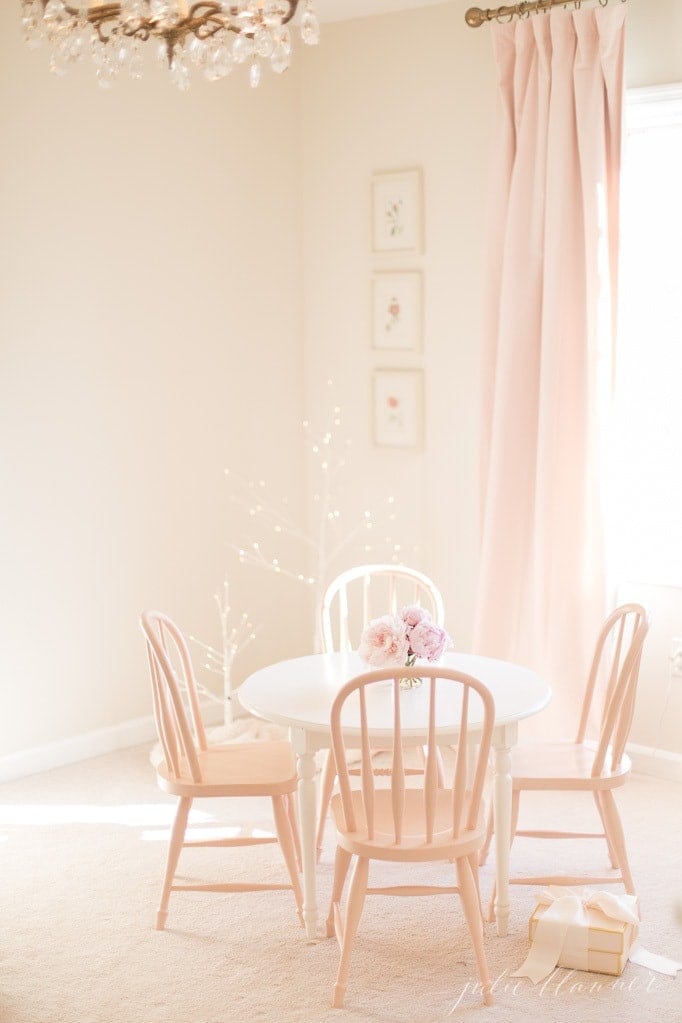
(341, 865)
(295, 830)
(613, 859)
(490, 915)
(356, 900)
(327, 780)
(614, 830)
(286, 841)
(473, 863)
(516, 799)
(485, 848)
(470, 904)
(177, 837)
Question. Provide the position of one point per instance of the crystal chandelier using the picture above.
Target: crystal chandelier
(210, 35)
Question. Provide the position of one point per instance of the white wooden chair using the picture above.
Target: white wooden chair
(351, 601)
(191, 768)
(596, 767)
(402, 824)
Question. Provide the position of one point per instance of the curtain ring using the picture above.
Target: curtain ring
(503, 17)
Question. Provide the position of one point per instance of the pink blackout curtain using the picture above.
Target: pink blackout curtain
(551, 285)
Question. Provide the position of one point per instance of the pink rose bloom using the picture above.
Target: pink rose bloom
(384, 641)
(428, 640)
(413, 614)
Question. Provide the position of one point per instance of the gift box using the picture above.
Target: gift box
(608, 941)
(580, 929)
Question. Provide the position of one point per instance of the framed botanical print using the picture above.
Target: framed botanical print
(397, 311)
(398, 408)
(397, 211)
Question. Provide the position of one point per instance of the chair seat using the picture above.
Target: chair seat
(563, 765)
(413, 844)
(240, 769)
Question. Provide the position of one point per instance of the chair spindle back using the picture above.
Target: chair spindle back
(616, 660)
(357, 596)
(456, 692)
(181, 733)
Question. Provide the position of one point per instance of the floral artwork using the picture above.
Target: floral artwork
(397, 311)
(392, 316)
(392, 413)
(403, 639)
(398, 408)
(396, 211)
(395, 224)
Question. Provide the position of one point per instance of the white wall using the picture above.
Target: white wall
(654, 43)
(400, 91)
(149, 337)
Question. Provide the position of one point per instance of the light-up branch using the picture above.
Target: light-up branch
(235, 638)
(326, 540)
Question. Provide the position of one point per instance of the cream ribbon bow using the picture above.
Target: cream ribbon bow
(564, 927)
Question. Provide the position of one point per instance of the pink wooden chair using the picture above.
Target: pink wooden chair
(351, 601)
(191, 768)
(596, 767)
(403, 824)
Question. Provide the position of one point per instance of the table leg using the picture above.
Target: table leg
(502, 800)
(307, 805)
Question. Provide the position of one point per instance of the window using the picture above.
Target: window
(645, 502)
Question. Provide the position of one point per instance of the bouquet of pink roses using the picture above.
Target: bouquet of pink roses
(402, 638)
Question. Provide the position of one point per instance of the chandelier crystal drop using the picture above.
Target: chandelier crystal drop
(208, 36)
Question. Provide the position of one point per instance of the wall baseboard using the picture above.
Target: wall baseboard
(658, 763)
(134, 732)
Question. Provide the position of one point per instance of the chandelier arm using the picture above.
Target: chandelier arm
(293, 4)
(210, 6)
(207, 29)
(201, 14)
(104, 11)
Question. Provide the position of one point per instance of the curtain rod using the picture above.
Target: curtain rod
(476, 16)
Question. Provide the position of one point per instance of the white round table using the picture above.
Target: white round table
(298, 693)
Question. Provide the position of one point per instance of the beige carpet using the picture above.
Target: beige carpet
(81, 853)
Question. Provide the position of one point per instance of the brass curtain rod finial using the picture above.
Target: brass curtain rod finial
(474, 17)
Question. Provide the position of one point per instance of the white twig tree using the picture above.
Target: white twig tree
(273, 529)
